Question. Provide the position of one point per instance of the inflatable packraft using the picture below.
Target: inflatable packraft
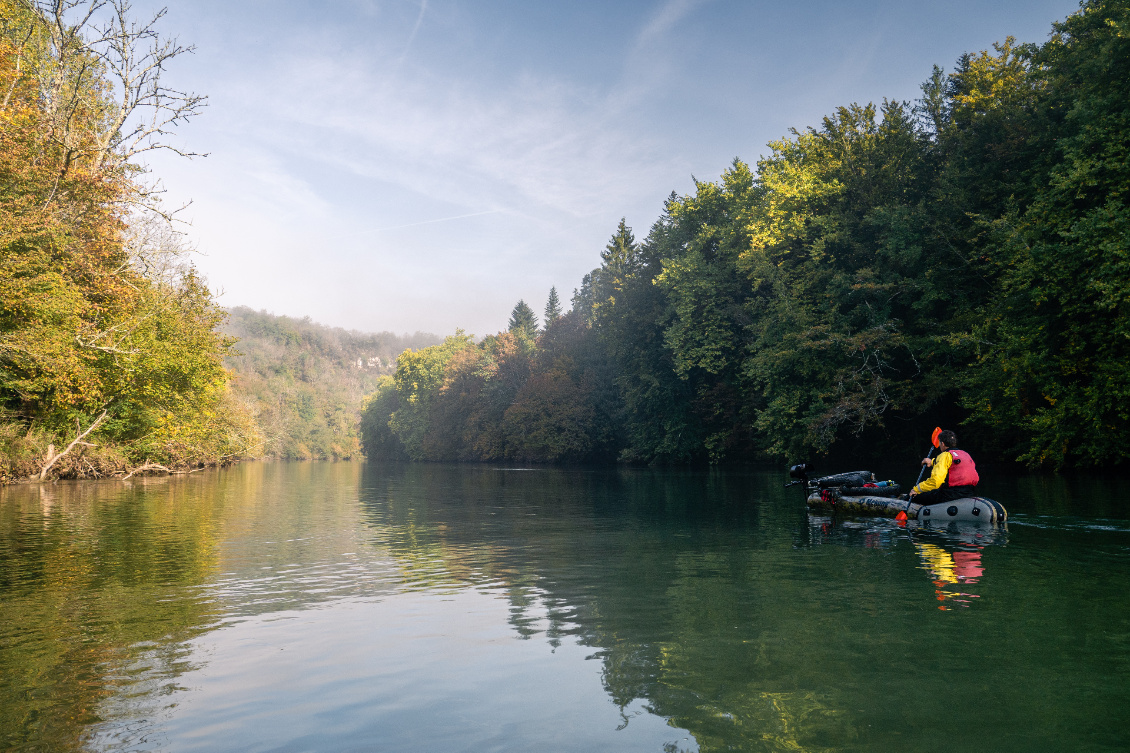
(859, 493)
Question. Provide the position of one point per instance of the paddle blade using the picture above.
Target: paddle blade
(934, 436)
(901, 516)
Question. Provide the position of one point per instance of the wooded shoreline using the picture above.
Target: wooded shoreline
(961, 260)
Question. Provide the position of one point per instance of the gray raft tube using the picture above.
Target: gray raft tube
(966, 509)
(846, 493)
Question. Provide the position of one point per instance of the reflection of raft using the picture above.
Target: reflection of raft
(856, 494)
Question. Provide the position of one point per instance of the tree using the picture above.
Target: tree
(959, 262)
(551, 419)
(1051, 380)
(97, 46)
(523, 323)
(99, 312)
(843, 281)
(552, 307)
(377, 438)
(419, 377)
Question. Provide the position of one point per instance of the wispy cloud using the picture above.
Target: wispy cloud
(660, 54)
(531, 144)
(428, 162)
(664, 20)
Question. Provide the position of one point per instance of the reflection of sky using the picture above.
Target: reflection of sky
(414, 671)
(394, 164)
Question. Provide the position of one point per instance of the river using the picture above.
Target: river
(353, 607)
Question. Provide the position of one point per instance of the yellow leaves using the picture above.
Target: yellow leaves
(990, 81)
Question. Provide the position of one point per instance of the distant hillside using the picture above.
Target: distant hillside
(305, 381)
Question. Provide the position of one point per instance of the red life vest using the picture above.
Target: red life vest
(963, 471)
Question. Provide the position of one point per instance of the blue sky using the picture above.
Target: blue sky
(408, 165)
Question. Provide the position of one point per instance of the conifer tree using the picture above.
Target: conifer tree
(552, 307)
(621, 254)
(523, 321)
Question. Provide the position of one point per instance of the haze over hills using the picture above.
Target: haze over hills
(305, 382)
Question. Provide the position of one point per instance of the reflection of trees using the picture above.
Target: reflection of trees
(102, 585)
(709, 599)
(635, 566)
(96, 589)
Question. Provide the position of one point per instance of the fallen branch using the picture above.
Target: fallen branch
(146, 466)
(52, 458)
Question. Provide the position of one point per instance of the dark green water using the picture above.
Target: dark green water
(344, 607)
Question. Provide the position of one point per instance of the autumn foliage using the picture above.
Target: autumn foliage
(98, 309)
(519, 395)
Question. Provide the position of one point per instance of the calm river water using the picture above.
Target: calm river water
(352, 607)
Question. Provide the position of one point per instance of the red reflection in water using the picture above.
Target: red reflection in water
(949, 569)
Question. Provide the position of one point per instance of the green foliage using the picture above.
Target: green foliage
(306, 383)
(552, 307)
(628, 312)
(377, 439)
(845, 308)
(420, 375)
(523, 323)
(1051, 379)
(508, 397)
(963, 261)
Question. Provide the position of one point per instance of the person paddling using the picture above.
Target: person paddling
(953, 474)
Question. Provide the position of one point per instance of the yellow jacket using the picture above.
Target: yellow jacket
(941, 469)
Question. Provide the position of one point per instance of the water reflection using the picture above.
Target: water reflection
(950, 570)
(338, 606)
(950, 554)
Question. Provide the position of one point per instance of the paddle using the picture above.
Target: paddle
(929, 454)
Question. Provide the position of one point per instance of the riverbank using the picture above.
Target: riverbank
(36, 456)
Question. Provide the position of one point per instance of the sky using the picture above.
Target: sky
(421, 165)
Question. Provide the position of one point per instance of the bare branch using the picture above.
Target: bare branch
(52, 458)
(106, 348)
(156, 249)
(135, 57)
(140, 113)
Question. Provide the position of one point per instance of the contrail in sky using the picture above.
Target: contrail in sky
(412, 36)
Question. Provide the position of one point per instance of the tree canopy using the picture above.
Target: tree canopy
(552, 306)
(962, 260)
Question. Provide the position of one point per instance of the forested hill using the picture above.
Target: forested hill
(963, 260)
(112, 349)
(305, 382)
